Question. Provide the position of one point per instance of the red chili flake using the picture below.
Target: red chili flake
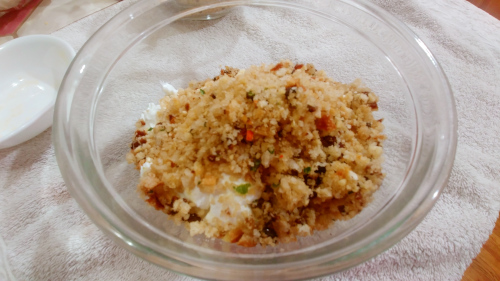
(143, 141)
(173, 165)
(281, 156)
(134, 145)
(187, 106)
(140, 133)
(373, 105)
(249, 136)
(325, 123)
(298, 66)
(278, 66)
(171, 118)
(143, 123)
(327, 141)
(153, 200)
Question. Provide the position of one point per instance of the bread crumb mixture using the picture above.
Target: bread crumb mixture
(260, 155)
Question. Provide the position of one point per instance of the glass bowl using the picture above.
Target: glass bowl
(118, 72)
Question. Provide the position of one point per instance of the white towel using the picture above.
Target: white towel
(48, 237)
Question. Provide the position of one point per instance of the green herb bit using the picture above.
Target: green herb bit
(271, 151)
(202, 91)
(256, 164)
(150, 129)
(274, 185)
(307, 170)
(250, 95)
(242, 188)
(205, 124)
(199, 182)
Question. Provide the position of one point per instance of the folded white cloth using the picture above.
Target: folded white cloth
(47, 236)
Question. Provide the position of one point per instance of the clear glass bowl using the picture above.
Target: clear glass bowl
(118, 72)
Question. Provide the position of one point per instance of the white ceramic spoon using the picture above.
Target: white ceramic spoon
(31, 71)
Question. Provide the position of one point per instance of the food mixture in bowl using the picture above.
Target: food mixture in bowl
(260, 155)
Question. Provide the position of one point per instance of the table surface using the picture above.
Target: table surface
(486, 266)
(490, 6)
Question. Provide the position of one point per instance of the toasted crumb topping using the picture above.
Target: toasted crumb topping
(261, 155)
